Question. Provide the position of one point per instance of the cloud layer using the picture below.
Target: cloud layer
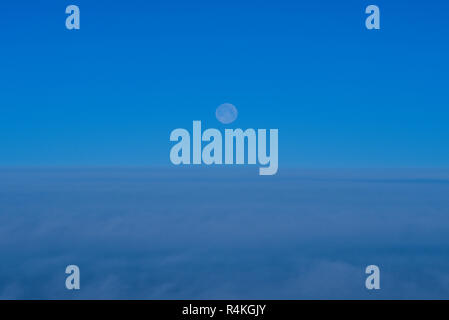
(219, 234)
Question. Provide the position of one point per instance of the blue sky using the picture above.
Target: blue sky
(110, 93)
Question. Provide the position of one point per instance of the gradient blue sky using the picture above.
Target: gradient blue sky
(110, 93)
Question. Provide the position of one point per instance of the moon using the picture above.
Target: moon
(226, 113)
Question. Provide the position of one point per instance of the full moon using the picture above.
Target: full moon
(226, 113)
